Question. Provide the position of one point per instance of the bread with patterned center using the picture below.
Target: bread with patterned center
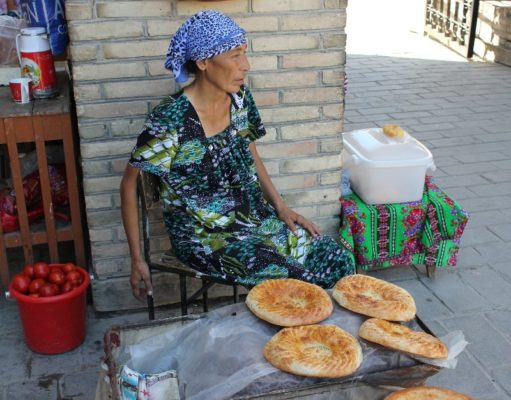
(374, 297)
(427, 393)
(400, 337)
(323, 351)
(392, 130)
(289, 302)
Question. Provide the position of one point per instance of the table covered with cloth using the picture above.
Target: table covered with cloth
(421, 232)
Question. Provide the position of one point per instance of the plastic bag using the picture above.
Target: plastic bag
(9, 28)
(227, 345)
(48, 14)
(33, 197)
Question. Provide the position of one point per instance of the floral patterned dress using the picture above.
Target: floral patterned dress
(216, 216)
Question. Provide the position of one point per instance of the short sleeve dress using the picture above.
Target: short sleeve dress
(217, 218)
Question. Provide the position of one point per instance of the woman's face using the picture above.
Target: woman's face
(227, 71)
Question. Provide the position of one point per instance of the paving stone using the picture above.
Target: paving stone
(474, 236)
(469, 168)
(429, 307)
(486, 203)
(460, 180)
(490, 156)
(501, 375)
(504, 268)
(495, 252)
(10, 315)
(460, 193)
(502, 230)
(435, 327)
(80, 385)
(467, 378)
(43, 388)
(442, 162)
(498, 176)
(395, 274)
(15, 359)
(42, 365)
(489, 284)
(501, 320)
(455, 293)
(486, 218)
(496, 396)
(496, 189)
(478, 331)
(468, 257)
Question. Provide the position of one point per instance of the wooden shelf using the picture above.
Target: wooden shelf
(39, 122)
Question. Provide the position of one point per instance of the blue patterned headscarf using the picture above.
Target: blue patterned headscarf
(202, 36)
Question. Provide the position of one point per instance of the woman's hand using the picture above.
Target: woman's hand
(140, 273)
(291, 218)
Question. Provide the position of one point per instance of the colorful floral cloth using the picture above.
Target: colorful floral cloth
(202, 36)
(422, 232)
(218, 221)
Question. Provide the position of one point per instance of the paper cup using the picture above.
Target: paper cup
(21, 90)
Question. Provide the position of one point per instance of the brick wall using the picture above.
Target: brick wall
(493, 31)
(296, 49)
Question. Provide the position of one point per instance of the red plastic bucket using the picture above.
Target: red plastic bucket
(56, 324)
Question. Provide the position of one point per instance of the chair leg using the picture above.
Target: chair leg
(182, 289)
(205, 295)
(150, 306)
(235, 293)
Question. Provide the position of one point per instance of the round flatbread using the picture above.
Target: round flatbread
(400, 337)
(427, 393)
(323, 351)
(392, 130)
(374, 297)
(289, 302)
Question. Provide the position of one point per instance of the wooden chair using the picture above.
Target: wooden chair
(148, 192)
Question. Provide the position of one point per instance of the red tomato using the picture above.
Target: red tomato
(66, 287)
(56, 288)
(74, 277)
(56, 269)
(41, 270)
(28, 270)
(48, 290)
(57, 277)
(20, 283)
(36, 285)
(68, 267)
(34, 295)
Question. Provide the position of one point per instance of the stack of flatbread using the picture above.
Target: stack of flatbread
(386, 302)
(427, 393)
(324, 351)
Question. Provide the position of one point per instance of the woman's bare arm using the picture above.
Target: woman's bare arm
(130, 220)
(271, 195)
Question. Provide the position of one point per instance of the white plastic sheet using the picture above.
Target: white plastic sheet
(220, 356)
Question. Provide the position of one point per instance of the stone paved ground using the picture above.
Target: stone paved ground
(461, 111)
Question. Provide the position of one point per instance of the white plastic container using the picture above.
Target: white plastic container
(384, 169)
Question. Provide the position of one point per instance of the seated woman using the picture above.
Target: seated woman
(223, 214)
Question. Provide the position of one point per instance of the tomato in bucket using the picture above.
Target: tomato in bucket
(57, 323)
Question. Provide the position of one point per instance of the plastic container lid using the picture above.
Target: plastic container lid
(34, 31)
(373, 146)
